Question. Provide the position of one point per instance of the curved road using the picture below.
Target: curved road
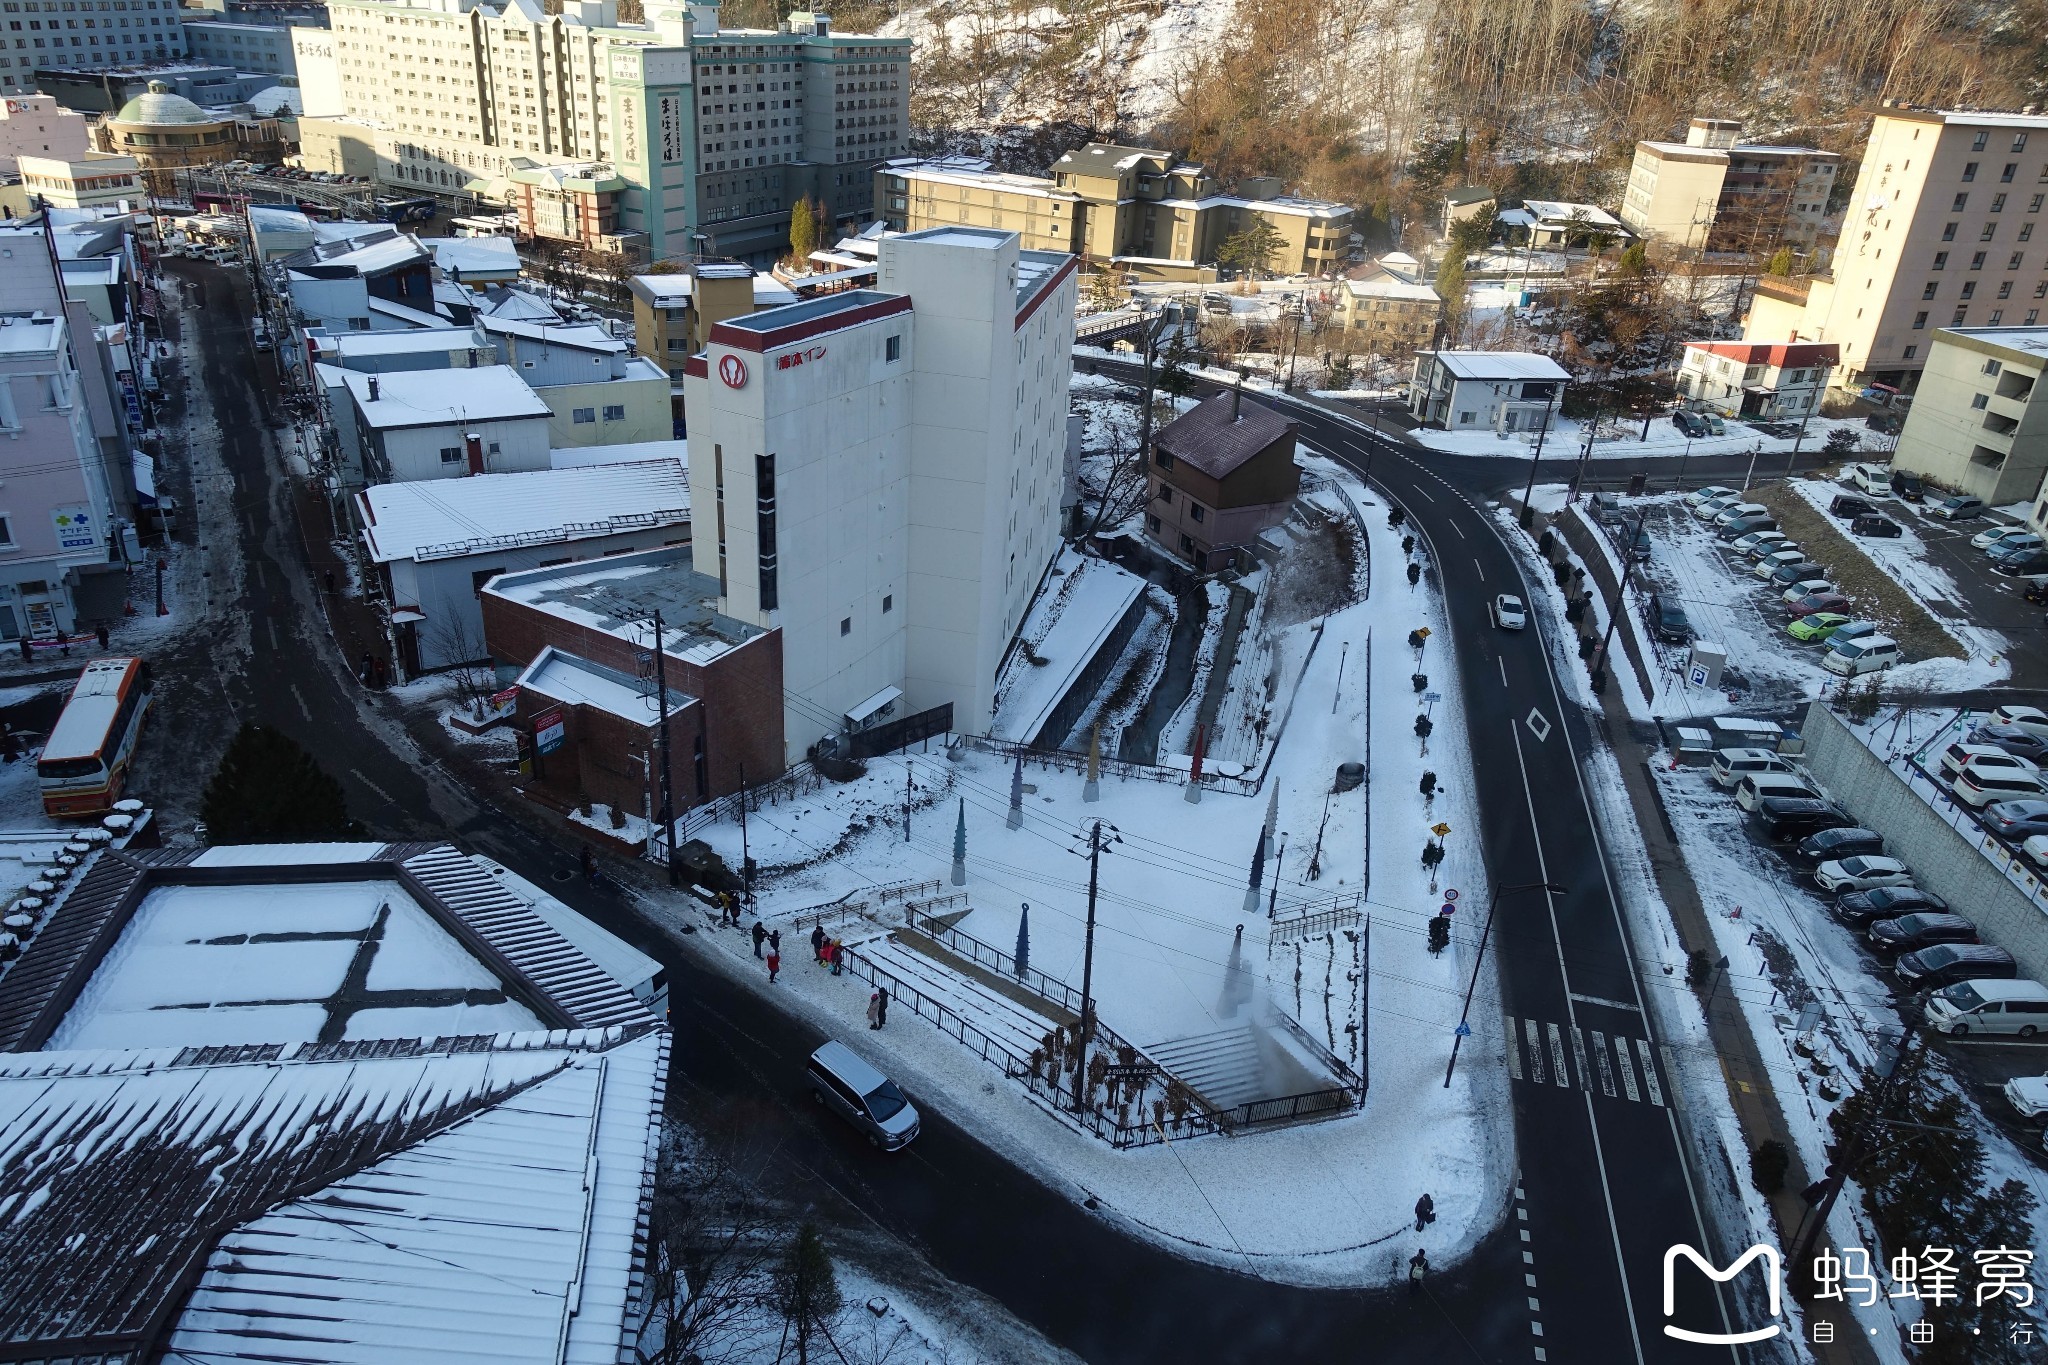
(1598, 1176)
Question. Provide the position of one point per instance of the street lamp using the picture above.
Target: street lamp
(1484, 934)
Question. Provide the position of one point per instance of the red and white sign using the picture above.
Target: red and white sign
(733, 371)
(791, 359)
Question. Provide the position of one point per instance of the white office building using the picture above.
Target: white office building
(878, 472)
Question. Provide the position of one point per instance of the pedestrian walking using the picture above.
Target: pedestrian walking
(588, 860)
(874, 1009)
(775, 940)
(369, 670)
(27, 656)
(330, 582)
(1418, 1266)
(835, 951)
(881, 1006)
(103, 633)
(761, 936)
(818, 942)
(774, 965)
(1425, 1212)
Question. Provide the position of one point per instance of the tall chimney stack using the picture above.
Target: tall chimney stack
(475, 444)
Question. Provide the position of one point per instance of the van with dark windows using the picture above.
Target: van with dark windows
(857, 1092)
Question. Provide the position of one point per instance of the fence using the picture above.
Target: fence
(1111, 767)
(794, 781)
(901, 734)
(1340, 913)
(1051, 989)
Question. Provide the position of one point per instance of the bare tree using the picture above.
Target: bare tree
(713, 1242)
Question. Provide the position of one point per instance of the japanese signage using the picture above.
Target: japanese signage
(669, 114)
(629, 126)
(548, 730)
(790, 360)
(733, 371)
(77, 529)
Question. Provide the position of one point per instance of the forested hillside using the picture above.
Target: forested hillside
(1379, 101)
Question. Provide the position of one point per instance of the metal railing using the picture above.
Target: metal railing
(1048, 988)
(1340, 913)
(793, 782)
(1070, 761)
(1336, 1065)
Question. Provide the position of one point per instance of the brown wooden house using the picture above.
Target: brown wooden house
(1221, 473)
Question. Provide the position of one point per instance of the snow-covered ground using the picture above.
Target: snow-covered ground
(1624, 440)
(1324, 1203)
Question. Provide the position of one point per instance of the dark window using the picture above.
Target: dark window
(1948, 232)
(1162, 459)
(1941, 260)
(451, 454)
(1977, 260)
(1969, 170)
(615, 412)
(1957, 320)
(892, 348)
(1962, 201)
(888, 603)
(1928, 292)
(764, 525)
(1196, 512)
(481, 577)
(1911, 351)
(1976, 145)
(1919, 321)
(846, 625)
(1969, 289)
(1187, 545)
(1152, 523)
(2005, 176)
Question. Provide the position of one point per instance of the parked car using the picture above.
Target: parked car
(1871, 524)
(1691, 424)
(1872, 480)
(1993, 536)
(1667, 620)
(1752, 540)
(1814, 602)
(1714, 507)
(1708, 494)
(1908, 486)
(1770, 563)
(2024, 743)
(1786, 819)
(1730, 766)
(1978, 787)
(843, 1082)
(1958, 508)
(2019, 565)
(1861, 873)
(1947, 963)
(2017, 821)
(1509, 613)
(1861, 909)
(2013, 546)
(1756, 553)
(1981, 758)
(1849, 505)
(2011, 1007)
(1855, 630)
(1787, 574)
(1805, 587)
(1743, 526)
(1737, 511)
(1921, 929)
(2028, 1096)
(1850, 841)
(1756, 788)
(1864, 654)
(1816, 625)
(2029, 718)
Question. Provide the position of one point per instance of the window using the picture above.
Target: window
(1998, 203)
(2033, 316)
(1940, 262)
(6, 531)
(1992, 367)
(1187, 545)
(1977, 260)
(2026, 232)
(2005, 289)
(1196, 512)
(1962, 201)
(888, 603)
(1928, 292)
(615, 412)
(1162, 458)
(1976, 145)
(1911, 351)
(1948, 232)
(451, 454)
(1969, 289)
(483, 576)
(2005, 176)
(1152, 523)
(1997, 316)
(892, 348)
(2019, 142)
(583, 415)
(1166, 494)
(1980, 402)
(1919, 321)
(846, 625)
(1957, 320)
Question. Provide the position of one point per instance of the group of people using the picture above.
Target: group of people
(827, 952)
(1418, 1264)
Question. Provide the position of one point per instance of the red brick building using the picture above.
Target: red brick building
(581, 638)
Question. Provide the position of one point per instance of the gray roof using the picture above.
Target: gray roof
(1209, 438)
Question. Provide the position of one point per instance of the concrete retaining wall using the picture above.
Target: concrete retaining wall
(1589, 544)
(1081, 691)
(1945, 860)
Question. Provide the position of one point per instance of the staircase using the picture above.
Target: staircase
(1226, 1067)
(1004, 1021)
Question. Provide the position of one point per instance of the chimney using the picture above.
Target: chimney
(373, 388)
(475, 443)
(1237, 400)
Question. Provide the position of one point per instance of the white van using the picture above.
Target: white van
(1866, 655)
(1756, 786)
(1979, 787)
(1730, 766)
(2011, 1007)
(1872, 481)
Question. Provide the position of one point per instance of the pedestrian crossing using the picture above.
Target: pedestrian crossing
(1540, 1052)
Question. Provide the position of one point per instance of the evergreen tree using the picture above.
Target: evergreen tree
(1635, 261)
(268, 790)
(1780, 263)
(1450, 286)
(1253, 249)
(803, 230)
(1173, 378)
(806, 1289)
(1439, 934)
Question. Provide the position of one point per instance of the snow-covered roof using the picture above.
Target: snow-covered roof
(426, 398)
(619, 595)
(581, 336)
(508, 302)
(444, 518)
(274, 100)
(1076, 610)
(976, 174)
(1500, 365)
(343, 347)
(477, 255)
(370, 253)
(566, 677)
(81, 728)
(1557, 213)
(1392, 289)
(2029, 341)
(1220, 433)
(581, 457)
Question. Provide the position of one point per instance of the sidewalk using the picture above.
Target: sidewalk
(355, 626)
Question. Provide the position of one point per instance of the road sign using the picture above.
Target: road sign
(1448, 909)
(1432, 698)
(1452, 894)
(1464, 1030)
(1696, 676)
(548, 730)
(1439, 829)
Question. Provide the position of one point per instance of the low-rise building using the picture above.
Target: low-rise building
(673, 314)
(477, 260)
(1556, 223)
(1979, 420)
(434, 545)
(1222, 472)
(1386, 316)
(1714, 192)
(334, 283)
(568, 201)
(598, 391)
(1498, 391)
(90, 180)
(579, 640)
(1774, 379)
(36, 125)
(445, 424)
(1462, 203)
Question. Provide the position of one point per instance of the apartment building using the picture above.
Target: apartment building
(673, 314)
(50, 33)
(1715, 192)
(1386, 316)
(878, 473)
(261, 48)
(89, 180)
(1143, 212)
(1770, 379)
(711, 133)
(1939, 233)
(1979, 421)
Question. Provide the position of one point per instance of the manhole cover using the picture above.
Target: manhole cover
(563, 876)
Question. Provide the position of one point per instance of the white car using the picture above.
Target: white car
(1770, 547)
(2032, 719)
(1991, 539)
(1769, 564)
(1983, 758)
(1743, 544)
(1509, 613)
(2028, 1096)
(1871, 480)
(1862, 874)
(1714, 507)
(1707, 494)
(1806, 587)
(1740, 510)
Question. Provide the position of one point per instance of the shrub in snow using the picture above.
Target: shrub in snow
(1395, 516)
(1841, 441)
(1414, 574)
(1587, 646)
(1546, 542)
(1767, 1166)
(1407, 545)
(1698, 968)
(1562, 572)
(1428, 783)
(1423, 726)
(1418, 681)
(1575, 610)
(1439, 934)
(1432, 853)
(618, 818)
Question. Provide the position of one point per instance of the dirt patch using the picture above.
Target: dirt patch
(1874, 594)
(1318, 573)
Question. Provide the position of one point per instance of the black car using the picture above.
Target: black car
(2017, 821)
(2019, 565)
(1849, 841)
(1667, 620)
(1871, 524)
(1884, 423)
(2013, 740)
(1862, 908)
(1784, 819)
(1947, 963)
(1922, 930)
(1908, 486)
(1846, 505)
(1692, 424)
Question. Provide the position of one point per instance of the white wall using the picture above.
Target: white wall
(415, 452)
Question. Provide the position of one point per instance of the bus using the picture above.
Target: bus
(84, 763)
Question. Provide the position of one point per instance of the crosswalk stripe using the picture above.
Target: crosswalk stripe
(1628, 1071)
(1600, 1056)
(1514, 1052)
(1535, 1053)
(1557, 1055)
(1579, 1053)
(1650, 1074)
(1671, 1069)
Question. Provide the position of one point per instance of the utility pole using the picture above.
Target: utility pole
(909, 785)
(746, 863)
(1464, 1027)
(1819, 390)
(1536, 458)
(1628, 559)
(1151, 347)
(1087, 1024)
(668, 802)
(1586, 454)
(1854, 1151)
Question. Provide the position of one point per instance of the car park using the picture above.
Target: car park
(2017, 821)
(2024, 743)
(1757, 553)
(1751, 540)
(1753, 789)
(1921, 929)
(2029, 718)
(1979, 787)
(2009, 1007)
(1861, 873)
(1668, 620)
(1714, 507)
(1817, 602)
(1849, 505)
(1786, 819)
(1864, 654)
(1863, 908)
(1730, 766)
(1739, 511)
(1815, 626)
(1850, 841)
(846, 1084)
(1907, 486)
(1743, 526)
(1871, 524)
(1981, 758)
(1805, 587)
(1994, 536)
(1509, 613)
(1957, 508)
(1945, 964)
